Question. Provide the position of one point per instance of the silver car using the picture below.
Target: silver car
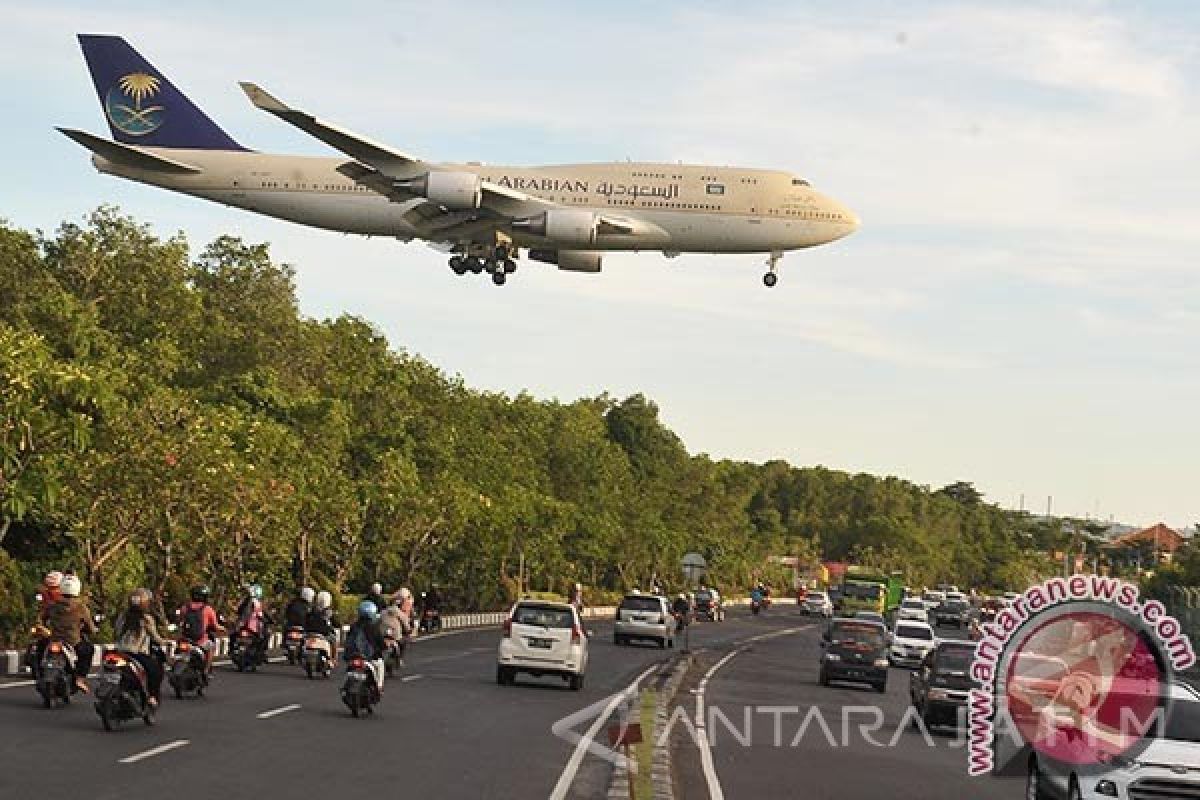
(644, 616)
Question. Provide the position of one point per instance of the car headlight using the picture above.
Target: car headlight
(832, 657)
(1106, 788)
(881, 662)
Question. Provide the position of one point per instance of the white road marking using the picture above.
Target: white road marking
(275, 712)
(155, 751)
(408, 678)
(568, 774)
(15, 684)
(706, 759)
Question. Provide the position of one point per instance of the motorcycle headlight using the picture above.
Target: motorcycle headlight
(832, 657)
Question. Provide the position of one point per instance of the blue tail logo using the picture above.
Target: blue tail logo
(127, 108)
(141, 104)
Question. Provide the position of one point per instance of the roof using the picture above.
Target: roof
(1159, 535)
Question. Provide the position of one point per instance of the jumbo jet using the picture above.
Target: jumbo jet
(483, 216)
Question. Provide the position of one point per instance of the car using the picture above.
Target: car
(913, 608)
(953, 612)
(940, 687)
(644, 617)
(933, 599)
(873, 616)
(955, 596)
(543, 638)
(854, 650)
(817, 604)
(911, 642)
(708, 605)
(1169, 766)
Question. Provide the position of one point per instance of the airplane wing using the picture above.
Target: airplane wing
(127, 154)
(380, 166)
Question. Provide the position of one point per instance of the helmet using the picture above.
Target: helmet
(324, 600)
(376, 588)
(53, 579)
(140, 598)
(682, 596)
(307, 594)
(578, 587)
(71, 586)
(367, 610)
(404, 593)
(200, 594)
(254, 590)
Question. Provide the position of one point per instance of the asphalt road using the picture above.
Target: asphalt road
(776, 680)
(444, 730)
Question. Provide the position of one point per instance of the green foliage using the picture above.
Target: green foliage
(166, 421)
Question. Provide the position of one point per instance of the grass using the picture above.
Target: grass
(643, 753)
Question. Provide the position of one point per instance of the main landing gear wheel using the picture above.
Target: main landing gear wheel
(499, 277)
(458, 264)
(510, 266)
(772, 276)
(474, 264)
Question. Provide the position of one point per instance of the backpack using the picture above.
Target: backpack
(359, 644)
(193, 623)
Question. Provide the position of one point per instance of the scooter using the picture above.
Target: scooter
(317, 656)
(293, 643)
(188, 671)
(360, 692)
(431, 620)
(246, 651)
(393, 654)
(123, 692)
(55, 674)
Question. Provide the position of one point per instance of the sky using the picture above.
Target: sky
(1021, 308)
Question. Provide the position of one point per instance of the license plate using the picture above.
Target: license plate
(638, 618)
(544, 644)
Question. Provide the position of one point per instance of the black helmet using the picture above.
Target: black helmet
(200, 594)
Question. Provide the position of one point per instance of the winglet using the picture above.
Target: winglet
(263, 99)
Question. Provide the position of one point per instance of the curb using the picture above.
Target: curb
(668, 679)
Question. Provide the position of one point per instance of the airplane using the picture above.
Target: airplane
(483, 216)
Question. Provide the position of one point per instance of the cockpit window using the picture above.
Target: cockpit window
(800, 182)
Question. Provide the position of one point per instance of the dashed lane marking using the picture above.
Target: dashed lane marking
(155, 751)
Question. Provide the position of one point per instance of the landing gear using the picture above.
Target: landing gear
(498, 262)
(458, 264)
(474, 264)
(772, 276)
(499, 277)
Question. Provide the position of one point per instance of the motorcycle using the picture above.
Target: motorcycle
(393, 654)
(40, 634)
(123, 693)
(360, 692)
(755, 606)
(188, 672)
(317, 656)
(431, 620)
(293, 643)
(55, 675)
(246, 651)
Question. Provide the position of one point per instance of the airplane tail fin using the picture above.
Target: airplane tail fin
(143, 107)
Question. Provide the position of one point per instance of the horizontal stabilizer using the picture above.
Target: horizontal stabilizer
(126, 154)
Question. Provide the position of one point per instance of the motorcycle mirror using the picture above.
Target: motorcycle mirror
(98, 618)
(172, 627)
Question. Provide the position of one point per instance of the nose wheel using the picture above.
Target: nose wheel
(772, 276)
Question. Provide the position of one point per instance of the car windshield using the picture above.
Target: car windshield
(917, 604)
(641, 603)
(954, 605)
(862, 634)
(544, 616)
(867, 591)
(816, 596)
(914, 632)
(954, 659)
(1183, 721)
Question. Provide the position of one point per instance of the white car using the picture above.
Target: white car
(933, 598)
(914, 609)
(644, 616)
(817, 603)
(1169, 767)
(911, 642)
(543, 638)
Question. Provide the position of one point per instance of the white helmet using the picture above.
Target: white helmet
(376, 588)
(71, 586)
(404, 593)
(324, 600)
(307, 594)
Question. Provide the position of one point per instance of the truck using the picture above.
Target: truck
(867, 589)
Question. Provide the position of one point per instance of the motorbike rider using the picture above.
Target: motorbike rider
(682, 609)
(70, 621)
(321, 620)
(376, 596)
(137, 635)
(394, 624)
(577, 598)
(253, 617)
(50, 591)
(297, 610)
(199, 624)
(757, 595)
(365, 640)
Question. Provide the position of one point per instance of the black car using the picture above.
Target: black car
(953, 612)
(942, 684)
(855, 650)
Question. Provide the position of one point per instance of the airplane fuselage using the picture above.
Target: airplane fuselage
(696, 208)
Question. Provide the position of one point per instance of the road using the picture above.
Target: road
(775, 681)
(444, 730)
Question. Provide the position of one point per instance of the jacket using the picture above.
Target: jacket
(69, 619)
(143, 634)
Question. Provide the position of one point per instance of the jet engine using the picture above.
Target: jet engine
(562, 225)
(459, 191)
(571, 260)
